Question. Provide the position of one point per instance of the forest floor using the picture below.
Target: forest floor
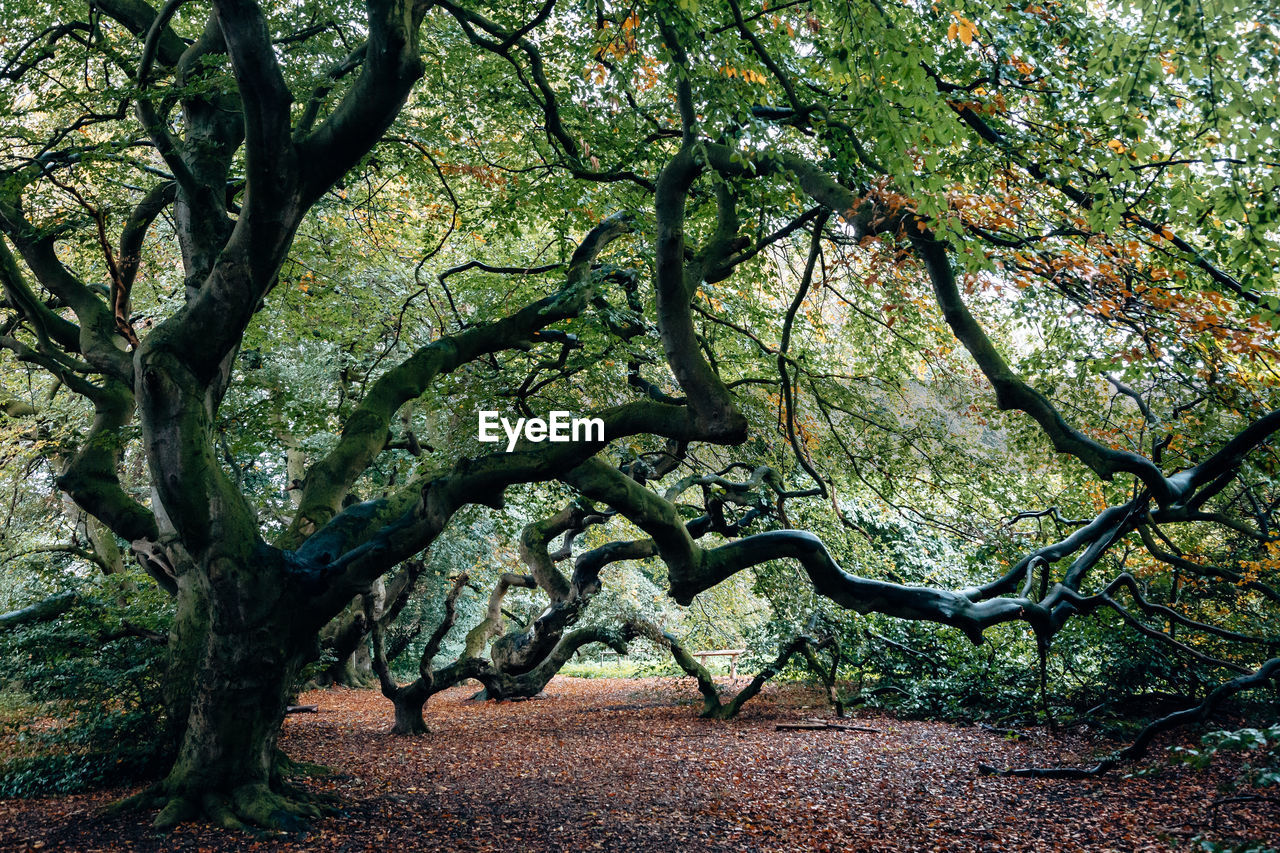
(625, 764)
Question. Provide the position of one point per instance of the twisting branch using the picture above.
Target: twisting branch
(1013, 393)
(788, 393)
(1199, 569)
(1052, 512)
(330, 478)
(713, 706)
(1197, 714)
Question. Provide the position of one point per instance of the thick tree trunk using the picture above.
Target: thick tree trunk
(234, 655)
(235, 713)
(409, 704)
(187, 637)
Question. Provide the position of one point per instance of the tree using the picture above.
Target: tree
(941, 173)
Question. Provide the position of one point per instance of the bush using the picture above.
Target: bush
(93, 678)
(1258, 778)
(1261, 768)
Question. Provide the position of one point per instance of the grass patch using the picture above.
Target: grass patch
(614, 668)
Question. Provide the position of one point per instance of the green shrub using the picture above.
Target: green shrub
(1258, 777)
(93, 678)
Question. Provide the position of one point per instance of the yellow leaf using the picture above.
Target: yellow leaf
(962, 28)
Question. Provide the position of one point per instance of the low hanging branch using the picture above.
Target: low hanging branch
(1197, 714)
(54, 605)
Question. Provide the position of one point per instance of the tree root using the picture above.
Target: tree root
(254, 807)
(1051, 772)
(283, 766)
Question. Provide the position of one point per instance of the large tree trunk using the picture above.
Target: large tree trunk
(228, 746)
(409, 703)
(235, 649)
(187, 637)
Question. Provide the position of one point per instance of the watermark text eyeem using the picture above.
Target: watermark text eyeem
(558, 426)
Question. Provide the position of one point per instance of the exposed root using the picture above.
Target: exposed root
(265, 808)
(255, 807)
(179, 809)
(219, 811)
(283, 766)
(1051, 772)
(147, 799)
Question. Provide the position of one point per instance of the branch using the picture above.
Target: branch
(138, 17)
(364, 435)
(41, 611)
(1179, 562)
(90, 478)
(265, 99)
(391, 65)
(1136, 750)
(788, 394)
(1013, 393)
(432, 648)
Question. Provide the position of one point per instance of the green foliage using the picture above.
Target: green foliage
(946, 677)
(584, 665)
(1210, 846)
(1163, 112)
(1258, 774)
(92, 684)
(1259, 746)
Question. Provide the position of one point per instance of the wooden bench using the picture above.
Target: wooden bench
(731, 654)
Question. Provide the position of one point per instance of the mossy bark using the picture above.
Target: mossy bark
(235, 649)
(186, 652)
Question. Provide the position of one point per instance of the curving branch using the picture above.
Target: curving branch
(410, 698)
(714, 706)
(1196, 714)
(389, 66)
(365, 433)
(1202, 570)
(1013, 393)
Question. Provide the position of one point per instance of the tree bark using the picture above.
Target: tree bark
(232, 664)
(409, 703)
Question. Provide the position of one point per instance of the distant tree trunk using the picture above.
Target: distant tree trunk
(104, 545)
(410, 699)
(356, 670)
(715, 708)
(502, 685)
(409, 705)
(346, 636)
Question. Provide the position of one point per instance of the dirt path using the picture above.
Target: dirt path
(626, 765)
